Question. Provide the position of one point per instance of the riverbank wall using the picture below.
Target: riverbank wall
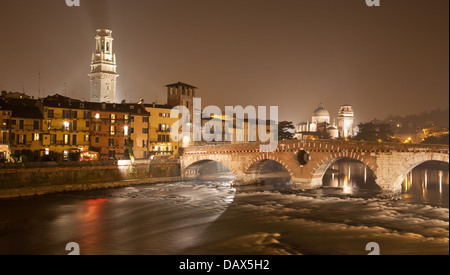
(46, 178)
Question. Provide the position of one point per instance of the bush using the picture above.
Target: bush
(25, 156)
(75, 156)
(52, 156)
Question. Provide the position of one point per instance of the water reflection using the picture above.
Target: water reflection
(275, 176)
(90, 222)
(351, 176)
(428, 183)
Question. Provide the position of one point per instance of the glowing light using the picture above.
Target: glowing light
(365, 174)
(123, 162)
(66, 125)
(410, 179)
(97, 116)
(349, 173)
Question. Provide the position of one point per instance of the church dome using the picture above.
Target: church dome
(321, 111)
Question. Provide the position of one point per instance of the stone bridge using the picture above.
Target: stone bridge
(308, 160)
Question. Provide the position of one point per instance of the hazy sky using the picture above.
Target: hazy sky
(392, 59)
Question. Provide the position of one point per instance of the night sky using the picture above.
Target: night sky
(295, 54)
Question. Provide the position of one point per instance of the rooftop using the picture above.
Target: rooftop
(181, 84)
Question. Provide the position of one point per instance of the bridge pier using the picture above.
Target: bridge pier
(305, 183)
(242, 178)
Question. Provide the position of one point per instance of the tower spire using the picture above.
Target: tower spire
(103, 69)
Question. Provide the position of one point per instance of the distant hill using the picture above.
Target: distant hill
(436, 118)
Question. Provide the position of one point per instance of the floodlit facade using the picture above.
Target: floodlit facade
(346, 119)
(320, 125)
(103, 69)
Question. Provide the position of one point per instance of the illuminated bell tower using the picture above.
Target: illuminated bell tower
(103, 69)
(346, 119)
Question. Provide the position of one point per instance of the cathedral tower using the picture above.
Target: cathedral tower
(103, 69)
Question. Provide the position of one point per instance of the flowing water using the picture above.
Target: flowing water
(212, 217)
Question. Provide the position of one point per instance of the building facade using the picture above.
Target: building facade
(138, 132)
(65, 126)
(346, 119)
(5, 118)
(25, 120)
(181, 94)
(109, 128)
(160, 125)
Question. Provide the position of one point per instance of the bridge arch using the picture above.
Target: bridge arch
(255, 167)
(319, 173)
(193, 170)
(412, 162)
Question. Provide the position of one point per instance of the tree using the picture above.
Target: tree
(25, 155)
(130, 143)
(443, 139)
(372, 131)
(322, 131)
(74, 156)
(284, 132)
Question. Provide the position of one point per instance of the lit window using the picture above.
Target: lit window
(66, 126)
(66, 140)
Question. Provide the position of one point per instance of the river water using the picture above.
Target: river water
(212, 217)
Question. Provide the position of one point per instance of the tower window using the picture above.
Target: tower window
(107, 46)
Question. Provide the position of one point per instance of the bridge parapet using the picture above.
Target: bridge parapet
(320, 146)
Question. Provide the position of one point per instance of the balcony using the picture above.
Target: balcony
(163, 131)
(24, 128)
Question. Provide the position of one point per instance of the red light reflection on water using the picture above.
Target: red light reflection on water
(91, 226)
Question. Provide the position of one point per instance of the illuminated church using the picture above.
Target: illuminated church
(320, 126)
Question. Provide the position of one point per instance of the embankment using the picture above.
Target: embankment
(47, 178)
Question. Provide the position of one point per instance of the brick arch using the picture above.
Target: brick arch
(323, 165)
(252, 165)
(201, 162)
(413, 161)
